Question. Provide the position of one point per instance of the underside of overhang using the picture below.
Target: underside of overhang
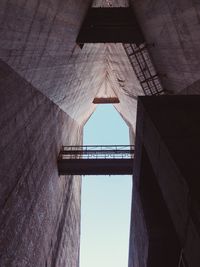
(70, 76)
(73, 77)
(101, 71)
(40, 45)
(38, 41)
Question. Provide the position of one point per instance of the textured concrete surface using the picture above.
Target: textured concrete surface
(110, 3)
(173, 27)
(38, 39)
(40, 211)
(38, 42)
(95, 65)
(168, 130)
(138, 241)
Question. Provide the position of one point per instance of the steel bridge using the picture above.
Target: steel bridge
(96, 160)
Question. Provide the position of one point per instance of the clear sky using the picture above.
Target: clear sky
(106, 200)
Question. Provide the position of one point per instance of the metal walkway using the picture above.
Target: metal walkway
(96, 160)
(142, 65)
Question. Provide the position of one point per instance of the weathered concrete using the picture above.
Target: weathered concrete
(38, 42)
(110, 3)
(40, 211)
(38, 38)
(168, 134)
(173, 28)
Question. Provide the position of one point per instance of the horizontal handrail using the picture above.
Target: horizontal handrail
(108, 146)
(97, 151)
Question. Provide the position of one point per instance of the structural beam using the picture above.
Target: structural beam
(95, 166)
(106, 100)
(110, 25)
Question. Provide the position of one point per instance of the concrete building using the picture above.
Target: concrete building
(47, 87)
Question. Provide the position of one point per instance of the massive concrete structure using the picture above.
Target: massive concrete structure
(47, 85)
(165, 205)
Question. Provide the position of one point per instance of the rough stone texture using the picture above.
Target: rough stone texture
(173, 28)
(40, 211)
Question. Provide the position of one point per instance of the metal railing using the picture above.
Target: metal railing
(97, 152)
(141, 62)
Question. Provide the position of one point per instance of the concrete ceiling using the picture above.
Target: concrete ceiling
(110, 3)
(97, 67)
(93, 67)
(38, 40)
(39, 43)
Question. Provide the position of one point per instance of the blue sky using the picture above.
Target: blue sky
(106, 200)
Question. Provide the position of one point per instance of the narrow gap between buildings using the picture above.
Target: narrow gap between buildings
(106, 200)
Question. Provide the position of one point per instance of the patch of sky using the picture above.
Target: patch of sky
(106, 200)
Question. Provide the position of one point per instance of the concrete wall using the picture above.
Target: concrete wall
(38, 39)
(39, 211)
(110, 3)
(173, 26)
(168, 132)
(40, 66)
